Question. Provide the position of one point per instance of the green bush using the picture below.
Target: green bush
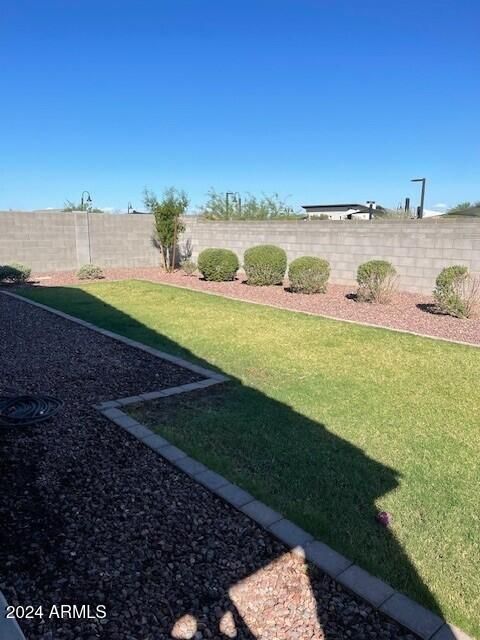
(265, 264)
(188, 267)
(376, 281)
(14, 272)
(90, 272)
(309, 275)
(456, 292)
(218, 265)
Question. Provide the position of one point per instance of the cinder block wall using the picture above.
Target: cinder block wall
(64, 241)
(42, 241)
(418, 249)
(123, 240)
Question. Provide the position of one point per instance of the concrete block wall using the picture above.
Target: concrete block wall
(64, 241)
(123, 240)
(43, 242)
(418, 249)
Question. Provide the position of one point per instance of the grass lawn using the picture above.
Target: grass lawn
(327, 422)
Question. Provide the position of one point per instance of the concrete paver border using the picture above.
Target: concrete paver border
(380, 595)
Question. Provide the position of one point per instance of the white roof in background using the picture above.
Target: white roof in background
(428, 213)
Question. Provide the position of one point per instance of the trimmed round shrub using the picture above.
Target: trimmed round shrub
(218, 265)
(456, 292)
(376, 281)
(14, 272)
(90, 272)
(265, 264)
(309, 275)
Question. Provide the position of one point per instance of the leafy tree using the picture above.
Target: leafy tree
(394, 214)
(168, 225)
(248, 207)
(86, 206)
(461, 206)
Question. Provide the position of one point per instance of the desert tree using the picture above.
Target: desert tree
(168, 224)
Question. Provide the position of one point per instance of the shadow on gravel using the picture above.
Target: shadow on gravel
(343, 497)
(430, 307)
(352, 296)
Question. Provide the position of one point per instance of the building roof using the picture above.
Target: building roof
(335, 207)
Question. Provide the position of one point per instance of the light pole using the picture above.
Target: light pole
(238, 198)
(227, 195)
(370, 208)
(88, 201)
(422, 197)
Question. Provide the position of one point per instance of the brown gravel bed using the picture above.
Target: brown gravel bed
(91, 516)
(407, 311)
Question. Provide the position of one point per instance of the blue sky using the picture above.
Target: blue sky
(318, 100)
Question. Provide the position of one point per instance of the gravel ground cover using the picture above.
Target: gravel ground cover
(91, 516)
(407, 311)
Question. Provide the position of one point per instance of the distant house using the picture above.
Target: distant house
(340, 211)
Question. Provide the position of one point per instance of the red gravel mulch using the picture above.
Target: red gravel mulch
(407, 311)
(91, 516)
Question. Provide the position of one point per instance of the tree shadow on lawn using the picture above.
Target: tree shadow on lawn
(319, 480)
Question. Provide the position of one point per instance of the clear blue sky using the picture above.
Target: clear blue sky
(320, 100)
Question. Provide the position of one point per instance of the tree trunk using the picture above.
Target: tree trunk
(174, 244)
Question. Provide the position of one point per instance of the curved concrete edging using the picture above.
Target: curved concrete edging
(379, 594)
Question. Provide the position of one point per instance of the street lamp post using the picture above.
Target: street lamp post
(370, 208)
(227, 195)
(88, 201)
(236, 199)
(239, 200)
(422, 197)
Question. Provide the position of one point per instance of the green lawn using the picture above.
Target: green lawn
(327, 422)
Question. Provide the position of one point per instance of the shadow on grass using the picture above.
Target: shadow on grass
(295, 464)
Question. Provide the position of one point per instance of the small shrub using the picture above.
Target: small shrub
(265, 264)
(90, 272)
(218, 265)
(309, 275)
(456, 292)
(188, 267)
(14, 272)
(376, 280)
